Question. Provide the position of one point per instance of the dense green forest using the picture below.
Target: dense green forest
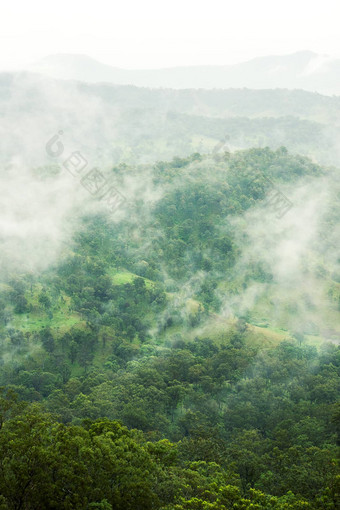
(163, 361)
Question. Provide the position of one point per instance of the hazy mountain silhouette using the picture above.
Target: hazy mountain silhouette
(302, 70)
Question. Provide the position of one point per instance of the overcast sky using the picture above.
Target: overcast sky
(155, 33)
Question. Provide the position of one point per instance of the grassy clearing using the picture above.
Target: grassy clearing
(123, 277)
(61, 321)
(61, 318)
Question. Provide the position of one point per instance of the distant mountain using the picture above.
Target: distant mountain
(303, 70)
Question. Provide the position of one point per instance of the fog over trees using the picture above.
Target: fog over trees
(169, 275)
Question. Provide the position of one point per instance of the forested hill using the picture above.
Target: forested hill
(180, 352)
(124, 124)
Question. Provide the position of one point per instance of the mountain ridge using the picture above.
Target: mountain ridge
(301, 70)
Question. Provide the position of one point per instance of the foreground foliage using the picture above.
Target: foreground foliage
(103, 465)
